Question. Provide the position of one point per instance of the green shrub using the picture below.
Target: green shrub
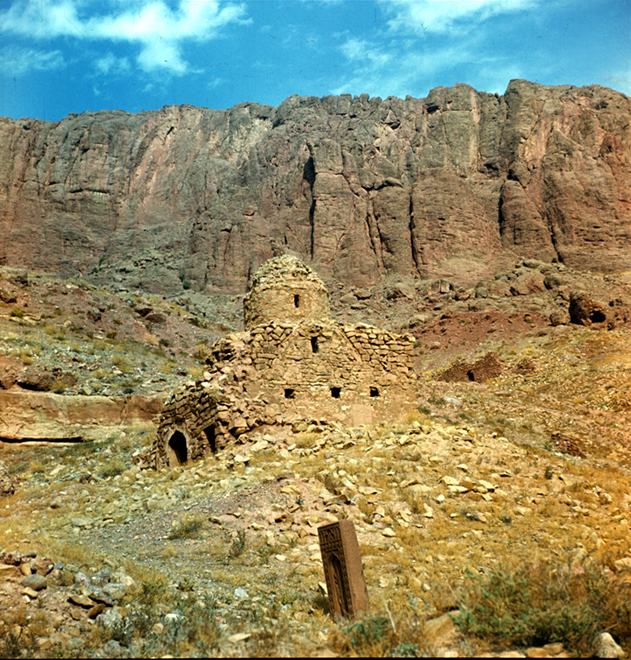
(113, 467)
(238, 544)
(187, 527)
(545, 603)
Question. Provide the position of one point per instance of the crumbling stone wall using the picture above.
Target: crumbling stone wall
(279, 372)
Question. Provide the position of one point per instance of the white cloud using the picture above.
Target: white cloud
(214, 83)
(365, 53)
(160, 29)
(402, 79)
(397, 63)
(17, 61)
(441, 16)
(111, 63)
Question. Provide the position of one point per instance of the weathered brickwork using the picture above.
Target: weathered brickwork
(280, 371)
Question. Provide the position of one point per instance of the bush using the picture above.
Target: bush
(238, 544)
(187, 527)
(113, 467)
(545, 603)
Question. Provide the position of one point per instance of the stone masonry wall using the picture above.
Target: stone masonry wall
(303, 367)
(272, 375)
(285, 288)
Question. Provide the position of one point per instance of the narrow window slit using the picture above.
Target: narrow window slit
(314, 345)
(209, 432)
(296, 300)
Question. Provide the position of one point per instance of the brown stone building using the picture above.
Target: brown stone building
(293, 362)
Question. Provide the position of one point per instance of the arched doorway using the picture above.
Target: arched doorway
(177, 450)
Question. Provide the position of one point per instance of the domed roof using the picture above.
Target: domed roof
(285, 289)
(283, 271)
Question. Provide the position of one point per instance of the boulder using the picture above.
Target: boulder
(605, 647)
(584, 310)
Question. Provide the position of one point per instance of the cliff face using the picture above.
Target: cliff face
(454, 185)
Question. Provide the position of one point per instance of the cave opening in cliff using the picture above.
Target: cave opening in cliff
(597, 316)
(177, 450)
(209, 432)
(471, 375)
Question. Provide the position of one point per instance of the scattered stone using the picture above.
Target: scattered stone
(31, 593)
(606, 647)
(584, 310)
(440, 631)
(109, 619)
(81, 600)
(35, 581)
(93, 612)
(554, 649)
(623, 564)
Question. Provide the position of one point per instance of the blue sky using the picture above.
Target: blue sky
(62, 56)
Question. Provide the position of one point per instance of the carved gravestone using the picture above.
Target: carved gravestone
(348, 595)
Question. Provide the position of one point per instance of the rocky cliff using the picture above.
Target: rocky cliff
(454, 185)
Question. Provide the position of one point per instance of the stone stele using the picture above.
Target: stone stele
(343, 571)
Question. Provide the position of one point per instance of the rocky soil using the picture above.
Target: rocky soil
(517, 455)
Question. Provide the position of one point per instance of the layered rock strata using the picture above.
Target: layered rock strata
(454, 185)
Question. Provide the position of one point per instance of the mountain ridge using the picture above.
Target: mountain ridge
(456, 185)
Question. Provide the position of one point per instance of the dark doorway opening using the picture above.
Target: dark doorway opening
(335, 392)
(374, 391)
(471, 375)
(314, 345)
(290, 393)
(296, 300)
(177, 450)
(209, 432)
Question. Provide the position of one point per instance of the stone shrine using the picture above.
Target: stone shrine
(293, 362)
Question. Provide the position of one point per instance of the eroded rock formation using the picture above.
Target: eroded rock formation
(453, 185)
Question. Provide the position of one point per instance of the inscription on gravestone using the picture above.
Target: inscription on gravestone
(348, 595)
